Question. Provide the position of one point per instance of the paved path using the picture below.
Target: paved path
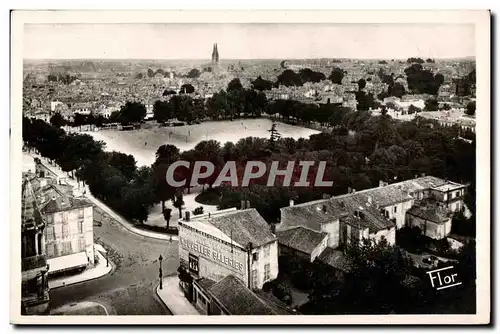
(83, 308)
(173, 297)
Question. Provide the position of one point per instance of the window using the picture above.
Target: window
(65, 230)
(254, 279)
(81, 244)
(255, 257)
(395, 209)
(80, 213)
(50, 233)
(80, 226)
(267, 272)
(457, 194)
(51, 250)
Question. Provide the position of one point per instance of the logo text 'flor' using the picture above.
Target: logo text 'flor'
(443, 278)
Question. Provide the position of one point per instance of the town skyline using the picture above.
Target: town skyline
(237, 41)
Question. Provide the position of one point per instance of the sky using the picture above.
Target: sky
(247, 41)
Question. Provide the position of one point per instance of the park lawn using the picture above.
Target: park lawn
(143, 143)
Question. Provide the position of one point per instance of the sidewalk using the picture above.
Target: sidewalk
(172, 296)
(98, 271)
(120, 219)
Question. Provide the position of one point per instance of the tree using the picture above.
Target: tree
(57, 120)
(167, 215)
(471, 108)
(412, 109)
(162, 111)
(139, 76)
(289, 78)
(198, 211)
(274, 137)
(79, 120)
(361, 84)
(132, 112)
(415, 60)
(261, 84)
(194, 73)
(187, 89)
(308, 75)
(151, 73)
(337, 75)
(125, 163)
(165, 156)
(178, 202)
(431, 105)
(234, 85)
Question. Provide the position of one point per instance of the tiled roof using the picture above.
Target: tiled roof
(237, 299)
(244, 226)
(335, 258)
(64, 203)
(301, 238)
(368, 216)
(205, 283)
(311, 214)
(430, 211)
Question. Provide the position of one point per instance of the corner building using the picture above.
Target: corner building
(228, 242)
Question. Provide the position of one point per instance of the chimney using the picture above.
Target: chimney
(291, 202)
(369, 200)
(356, 213)
(324, 208)
(247, 205)
(380, 183)
(354, 191)
(348, 190)
(422, 175)
(416, 176)
(243, 204)
(188, 216)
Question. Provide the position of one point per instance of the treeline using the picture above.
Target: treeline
(111, 176)
(63, 78)
(360, 151)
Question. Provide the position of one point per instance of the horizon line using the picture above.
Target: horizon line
(281, 58)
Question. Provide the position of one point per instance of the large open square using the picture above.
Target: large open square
(143, 143)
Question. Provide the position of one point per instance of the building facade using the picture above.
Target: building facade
(68, 234)
(34, 287)
(228, 242)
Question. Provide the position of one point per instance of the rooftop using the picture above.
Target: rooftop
(64, 203)
(431, 211)
(301, 238)
(237, 299)
(336, 259)
(243, 226)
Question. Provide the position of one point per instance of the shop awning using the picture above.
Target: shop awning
(67, 262)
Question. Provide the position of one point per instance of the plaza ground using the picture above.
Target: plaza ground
(186, 137)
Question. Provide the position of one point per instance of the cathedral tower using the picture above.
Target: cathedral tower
(215, 55)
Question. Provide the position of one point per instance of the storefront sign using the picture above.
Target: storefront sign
(212, 250)
(193, 264)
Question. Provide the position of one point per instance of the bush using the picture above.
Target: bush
(198, 211)
(283, 292)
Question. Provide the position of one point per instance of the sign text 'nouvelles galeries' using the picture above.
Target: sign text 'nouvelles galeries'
(230, 256)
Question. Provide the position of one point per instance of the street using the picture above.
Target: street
(130, 289)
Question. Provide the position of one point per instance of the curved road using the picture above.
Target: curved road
(130, 288)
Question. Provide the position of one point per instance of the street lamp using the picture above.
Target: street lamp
(161, 273)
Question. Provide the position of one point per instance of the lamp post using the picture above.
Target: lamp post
(161, 273)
